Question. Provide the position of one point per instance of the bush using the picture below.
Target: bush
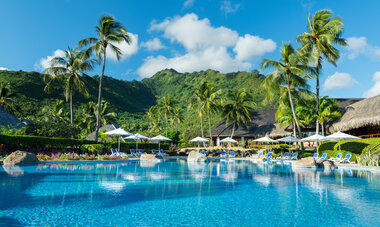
(307, 154)
(93, 148)
(144, 146)
(41, 142)
(327, 145)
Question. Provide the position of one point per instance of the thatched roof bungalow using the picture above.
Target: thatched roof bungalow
(360, 118)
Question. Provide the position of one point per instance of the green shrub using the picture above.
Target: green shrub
(307, 154)
(92, 148)
(327, 145)
(41, 142)
(144, 146)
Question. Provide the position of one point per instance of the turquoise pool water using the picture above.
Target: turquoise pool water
(177, 193)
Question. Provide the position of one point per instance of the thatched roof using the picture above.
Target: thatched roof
(106, 128)
(262, 123)
(8, 120)
(360, 114)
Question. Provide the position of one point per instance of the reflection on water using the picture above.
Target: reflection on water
(122, 183)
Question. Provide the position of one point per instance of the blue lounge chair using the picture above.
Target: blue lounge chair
(133, 153)
(223, 154)
(323, 157)
(203, 152)
(269, 155)
(114, 152)
(347, 158)
(120, 153)
(294, 156)
(337, 159)
(286, 156)
(260, 154)
(315, 156)
(162, 153)
(141, 152)
(154, 152)
(232, 154)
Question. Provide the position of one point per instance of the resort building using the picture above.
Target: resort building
(360, 117)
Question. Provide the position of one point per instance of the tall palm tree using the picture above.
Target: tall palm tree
(323, 31)
(167, 104)
(177, 117)
(288, 70)
(238, 108)
(154, 116)
(207, 99)
(55, 112)
(7, 97)
(109, 32)
(68, 69)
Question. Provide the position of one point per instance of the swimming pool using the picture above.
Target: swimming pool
(177, 193)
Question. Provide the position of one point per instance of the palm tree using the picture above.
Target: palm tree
(288, 70)
(109, 32)
(154, 116)
(7, 97)
(55, 112)
(328, 109)
(322, 32)
(284, 116)
(167, 104)
(177, 117)
(238, 108)
(68, 69)
(207, 99)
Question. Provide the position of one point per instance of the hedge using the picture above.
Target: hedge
(40, 141)
(144, 146)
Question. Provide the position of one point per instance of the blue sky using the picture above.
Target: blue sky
(193, 35)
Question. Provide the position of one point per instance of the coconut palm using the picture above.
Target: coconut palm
(207, 99)
(290, 69)
(328, 109)
(238, 108)
(109, 32)
(177, 117)
(154, 116)
(7, 97)
(68, 70)
(323, 31)
(167, 104)
(55, 112)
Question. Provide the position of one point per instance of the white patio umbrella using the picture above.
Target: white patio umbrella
(198, 140)
(136, 137)
(265, 140)
(314, 138)
(160, 138)
(341, 136)
(228, 140)
(288, 139)
(118, 132)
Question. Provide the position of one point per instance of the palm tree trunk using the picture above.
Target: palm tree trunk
(294, 129)
(71, 108)
(317, 97)
(166, 118)
(209, 126)
(233, 130)
(100, 95)
(294, 113)
(202, 126)
(323, 129)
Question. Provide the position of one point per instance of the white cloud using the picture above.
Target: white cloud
(375, 89)
(339, 81)
(253, 46)
(126, 50)
(206, 47)
(194, 33)
(45, 62)
(227, 7)
(2, 68)
(154, 44)
(188, 3)
(359, 46)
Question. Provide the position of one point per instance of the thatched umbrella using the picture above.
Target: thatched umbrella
(360, 114)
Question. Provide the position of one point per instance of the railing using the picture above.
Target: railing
(370, 136)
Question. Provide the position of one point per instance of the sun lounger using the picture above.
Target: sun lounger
(203, 152)
(154, 152)
(286, 156)
(269, 155)
(323, 157)
(260, 154)
(223, 154)
(162, 153)
(232, 154)
(133, 153)
(346, 159)
(141, 152)
(120, 153)
(294, 156)
(337, 159)
(114, 152)
(315, 156)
